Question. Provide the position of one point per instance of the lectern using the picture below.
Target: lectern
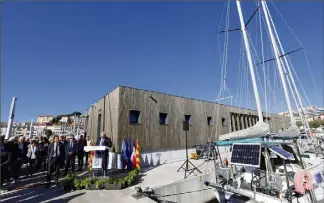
(97, 160)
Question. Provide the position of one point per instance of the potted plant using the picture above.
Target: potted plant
(68, 182)
(132, 177)
(80, 184)
(100, 183)
(112, 184)
(85, 183)
(123, 183)
(91, 183)
(77, 184)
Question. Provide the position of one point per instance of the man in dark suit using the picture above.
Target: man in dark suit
(81, 144)
(70, 152)
(104, 141)
(63, 141)
(55, 156)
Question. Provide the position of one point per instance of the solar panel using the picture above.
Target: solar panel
(282, 153)
(246, 154)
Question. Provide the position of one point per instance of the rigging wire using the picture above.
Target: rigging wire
(294, 92)
(223, 86)
(223, 69)
(305, 53)
(301, 86)
(258, 77)
(263, 66)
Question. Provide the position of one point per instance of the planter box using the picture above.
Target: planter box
(113, 186)
(100, 187)
(91, 187)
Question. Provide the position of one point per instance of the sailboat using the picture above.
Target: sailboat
(266, 177)
(260, 129)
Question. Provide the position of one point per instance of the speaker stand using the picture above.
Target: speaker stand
(185, 165)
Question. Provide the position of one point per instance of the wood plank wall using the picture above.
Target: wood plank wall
(152, 135)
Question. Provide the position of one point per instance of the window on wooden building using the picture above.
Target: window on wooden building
(224, 123)
(163, 119)
(209, 121)
(188, 119)
(134, 117)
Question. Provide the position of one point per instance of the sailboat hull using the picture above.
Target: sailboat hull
(260, 129)
(247, 196)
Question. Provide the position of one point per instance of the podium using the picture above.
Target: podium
(97, 160)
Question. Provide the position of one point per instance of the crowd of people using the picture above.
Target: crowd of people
(41, 154)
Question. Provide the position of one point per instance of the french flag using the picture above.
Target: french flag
(133, 156)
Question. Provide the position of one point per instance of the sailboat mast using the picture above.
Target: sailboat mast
(249, 58)
(301, 110)
(11, 117)
(276, 52)
(31, 129)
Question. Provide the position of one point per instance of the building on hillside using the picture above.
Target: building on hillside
(44, 119)
(156, 119)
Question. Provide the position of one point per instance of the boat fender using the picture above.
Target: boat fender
(225, 162)
(303, 181)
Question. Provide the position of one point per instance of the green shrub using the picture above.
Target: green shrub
(100, 183)
(72, 181)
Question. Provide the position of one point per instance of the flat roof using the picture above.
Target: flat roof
(145, 90)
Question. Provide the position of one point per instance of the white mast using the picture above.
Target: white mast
(31, 130)
(249, 57)
(11, 117)
(301, 110)
(276, 52)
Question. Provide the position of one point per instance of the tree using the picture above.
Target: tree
(58, 118)
(48, 132)
(77, 113)
(316, 123)
(299, 123)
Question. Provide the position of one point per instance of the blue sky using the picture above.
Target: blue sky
(62, 57)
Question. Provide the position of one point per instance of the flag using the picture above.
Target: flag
(133, 157)
(137, 153)
(123, 154)
(90, 159)
(129, 154)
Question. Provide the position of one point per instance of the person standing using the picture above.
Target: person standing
(104, 141)
(14, 166)
(55, 156)
(70, 152)
(80, 146)
(89, 143)
(41, 153)
(44, 160)
(33, 156)
(63, 141)
(6, 159)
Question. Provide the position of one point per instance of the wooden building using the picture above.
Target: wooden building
(156, 119)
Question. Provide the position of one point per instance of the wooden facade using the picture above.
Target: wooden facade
(156, 119)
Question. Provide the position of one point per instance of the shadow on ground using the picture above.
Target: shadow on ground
(39, 194)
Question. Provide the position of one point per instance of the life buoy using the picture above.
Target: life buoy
(303, 181)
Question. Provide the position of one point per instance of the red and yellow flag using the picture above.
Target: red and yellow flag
(90, 159)
(137, 155)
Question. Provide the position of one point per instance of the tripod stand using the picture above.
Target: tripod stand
(187, 162)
